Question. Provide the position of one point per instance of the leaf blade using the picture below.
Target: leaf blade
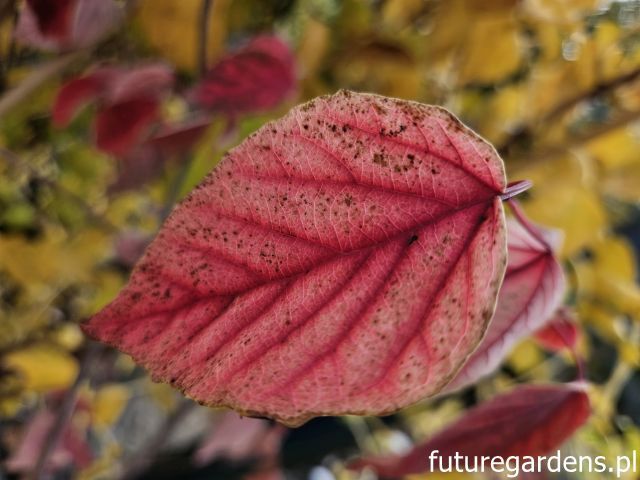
(532, 290)
(303, 276)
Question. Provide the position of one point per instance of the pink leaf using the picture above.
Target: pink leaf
(560, 332)
(121, 126)
(237, 438)
(528, 421)
(344, 259)
(257, 77)
(94, 19)
(145, 81)
(129, 247)
(532, 290)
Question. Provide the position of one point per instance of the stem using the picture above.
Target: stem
(66, 410)
(203, 36)
(516, 188)
(35, 80)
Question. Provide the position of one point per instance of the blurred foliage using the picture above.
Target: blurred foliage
(553, 84)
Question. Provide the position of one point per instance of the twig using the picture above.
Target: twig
(181, 175)
(203, 38)
(551, 151)
(144, 458)
(597, 91)
(66, 410)
(515, 188)
(563, 107)
(35, 80)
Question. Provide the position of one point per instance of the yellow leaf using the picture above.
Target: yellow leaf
(623, 183)
(172, 28)
(312, 47)
(526, 357)
(610, 275)
(618, 148)
(480, 40)
(492, 49)
(398, 13)
(68, 336)
(574, 209)
(630, 354)
(54, 261)
(108, 404)
(380, 67)
(600, 319)
(563, 197)
(43, 367)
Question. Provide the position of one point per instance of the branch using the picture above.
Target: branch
(203, 37)
(597, 91)
(66, 410)
(565, 106)
(553, 150)
(36, 79)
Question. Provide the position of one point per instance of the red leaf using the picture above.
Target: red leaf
(528, 421)
(560, 332)
(532, 290)
(121, 126)
(128, 104)
(53, 16)
(77, 93)
(344, 259)
(178, 138)
(145, 162)
(66, 24)
(257, 77)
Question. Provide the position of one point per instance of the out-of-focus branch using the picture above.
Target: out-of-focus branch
(550, 151)
(597, 91)
(65, 412)
(36, 79)
(603, 88)
(203, 38)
